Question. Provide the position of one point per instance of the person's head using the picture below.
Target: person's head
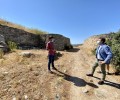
(101, 40)
(51, 38)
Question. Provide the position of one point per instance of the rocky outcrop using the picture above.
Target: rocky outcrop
(26, 39)
(3, 45)
(61, 42)
(21, 37)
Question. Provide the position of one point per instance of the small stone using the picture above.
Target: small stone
(91, 80)
(57, 97)
(31, 69)
(65, 71)
(26, 97)
(36, 74)
(56, 87)
(1, 77)
(14, 98)
(85, 91)
(5, 73)
(26, 54)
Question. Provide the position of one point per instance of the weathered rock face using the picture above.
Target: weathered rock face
(23, 38)
(60, 41)
(3, 45)
(19, 36)
(2, 38)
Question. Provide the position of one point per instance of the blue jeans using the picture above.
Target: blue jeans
(51, 60)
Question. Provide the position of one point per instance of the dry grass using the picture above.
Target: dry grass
(1, 53)
(31, 30)
(28, 76)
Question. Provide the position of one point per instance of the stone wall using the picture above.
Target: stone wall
(60, 41)
(19, 36)
(23, 38)
(3, 45)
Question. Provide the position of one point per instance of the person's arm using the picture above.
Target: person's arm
(109, 54)
(47, 46)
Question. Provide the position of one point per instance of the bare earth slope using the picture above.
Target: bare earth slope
(87, 88)
(27, 78)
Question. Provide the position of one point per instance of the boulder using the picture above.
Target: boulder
(3, 45)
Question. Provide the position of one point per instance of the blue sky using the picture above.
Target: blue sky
(76, 19)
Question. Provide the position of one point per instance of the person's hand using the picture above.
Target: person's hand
(101, 62)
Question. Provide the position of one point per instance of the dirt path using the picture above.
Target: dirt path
(27, 77)
(86, 88)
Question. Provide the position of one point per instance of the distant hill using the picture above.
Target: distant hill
(31, 30)
(76, 45)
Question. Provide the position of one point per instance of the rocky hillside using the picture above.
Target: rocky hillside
(24, 73)
(31, 30)
(26, 39)
(90, 43)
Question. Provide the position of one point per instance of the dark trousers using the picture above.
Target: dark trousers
(51, 61)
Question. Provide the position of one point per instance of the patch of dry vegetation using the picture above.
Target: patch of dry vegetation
(31, 30)
(27, 76)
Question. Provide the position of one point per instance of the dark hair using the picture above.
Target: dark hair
(102, 39)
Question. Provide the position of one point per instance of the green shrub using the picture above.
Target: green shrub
(1, 53)
(114, 42)
(12, 45)
(94, 51)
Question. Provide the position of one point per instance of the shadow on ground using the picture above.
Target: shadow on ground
(57, 55)
(73, 50)
(92, 85)
(116, 85)
(77, 81)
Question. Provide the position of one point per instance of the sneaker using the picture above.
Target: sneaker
(108, 73)
(89, 75)
(101, 82)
